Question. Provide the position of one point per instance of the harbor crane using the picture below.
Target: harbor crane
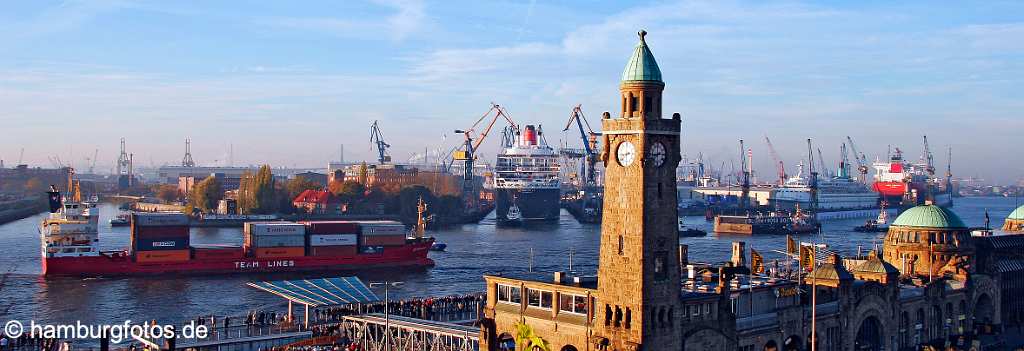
(376, 138)
(844, 162)
(929, 159)
(187, 160)
(468, 154)
(862, 161)
(779, 165)
(824, 166)
(92, 161)
(745, 185)
(589, 138)
(812, 185)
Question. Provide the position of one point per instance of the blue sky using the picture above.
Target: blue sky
(287, 82)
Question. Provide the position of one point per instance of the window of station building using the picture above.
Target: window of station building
(573, 304)
(660, 272)
(707, 308)
(622, 244)
(509, 294)
(539, 298)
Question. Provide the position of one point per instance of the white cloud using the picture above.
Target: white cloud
(409, 18)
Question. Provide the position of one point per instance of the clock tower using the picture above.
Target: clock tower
(638, 305)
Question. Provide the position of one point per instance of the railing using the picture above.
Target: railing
(222, 334)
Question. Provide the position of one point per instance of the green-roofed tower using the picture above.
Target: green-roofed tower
(641, 84)
(642, 66)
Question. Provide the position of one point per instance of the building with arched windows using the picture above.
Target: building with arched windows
(1015, 221)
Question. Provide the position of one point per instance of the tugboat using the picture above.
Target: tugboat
(687, 232)
(122, 220)
(877, 225)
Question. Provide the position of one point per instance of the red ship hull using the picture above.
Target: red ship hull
(890, 188)
(413, 254)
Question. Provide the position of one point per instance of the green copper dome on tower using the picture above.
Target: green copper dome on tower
(929, 216)
(642, 66)
(1017, 214)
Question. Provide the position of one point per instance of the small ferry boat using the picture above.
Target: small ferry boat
(685, 231)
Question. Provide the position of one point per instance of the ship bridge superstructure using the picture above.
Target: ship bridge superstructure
(72, 227)
(528, 163)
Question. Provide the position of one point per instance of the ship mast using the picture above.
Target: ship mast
(421, 218)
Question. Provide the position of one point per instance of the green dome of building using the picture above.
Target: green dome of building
(1017, 214)
(642, 66)
(929, 216)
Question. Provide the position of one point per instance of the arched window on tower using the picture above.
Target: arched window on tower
(634, 105)
(648, 106)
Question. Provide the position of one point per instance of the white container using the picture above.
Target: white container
(263, 229)
(381, 229)
(159, 220)
(332, 240)
(280, 241)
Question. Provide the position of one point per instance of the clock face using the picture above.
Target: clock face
(626, 153)
(657, 154)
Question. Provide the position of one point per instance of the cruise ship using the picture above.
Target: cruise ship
(526, 181)
(840, 193)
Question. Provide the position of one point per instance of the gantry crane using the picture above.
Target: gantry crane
(377, 139)
(862, 161)
(468, 154)
(779, 165)
(589, 138)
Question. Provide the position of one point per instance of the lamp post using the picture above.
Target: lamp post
(387, 307)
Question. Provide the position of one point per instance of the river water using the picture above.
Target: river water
(473, 250)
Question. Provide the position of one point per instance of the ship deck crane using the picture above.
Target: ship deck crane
(474, 138)
(862, 161)
(377, 139)
(779, 165)
(589, 138)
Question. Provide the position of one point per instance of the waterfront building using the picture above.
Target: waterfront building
(924, 288)
(313, 177)
(1015, 221)
(318, 202)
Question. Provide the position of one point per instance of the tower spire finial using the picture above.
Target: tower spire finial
(642, 34)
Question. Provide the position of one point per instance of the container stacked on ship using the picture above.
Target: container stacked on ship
(376, 236)
(160, 237)
(332, 238)
(275, 239)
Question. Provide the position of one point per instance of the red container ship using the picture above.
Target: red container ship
(70, 245)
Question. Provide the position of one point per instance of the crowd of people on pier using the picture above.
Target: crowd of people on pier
(446, 308)
(28, 342)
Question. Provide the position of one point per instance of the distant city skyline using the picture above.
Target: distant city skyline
(286, 84)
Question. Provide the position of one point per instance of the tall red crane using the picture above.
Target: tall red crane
(779, 165)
